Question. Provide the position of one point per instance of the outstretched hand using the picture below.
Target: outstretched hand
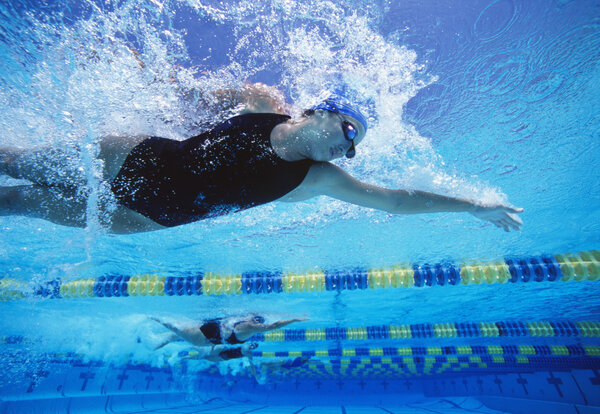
(504, 217)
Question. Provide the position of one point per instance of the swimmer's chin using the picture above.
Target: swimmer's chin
(322, 158)
(332, 155)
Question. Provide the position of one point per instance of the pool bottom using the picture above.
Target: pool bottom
(89, 388)
(177, 403)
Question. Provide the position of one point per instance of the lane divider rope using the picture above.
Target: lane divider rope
(370, 355)
(502, 329)
(582, 266)
(565, 328)
(575, 350)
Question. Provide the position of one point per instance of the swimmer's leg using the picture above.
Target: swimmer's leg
(169, 339)
(190, 333)
(113, 151)
(63, 165)
(125, 221)
(50, 166)
(44, 203)
(67, 209)
(175, 329)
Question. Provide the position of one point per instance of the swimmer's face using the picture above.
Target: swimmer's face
(248, 348)
(331, 133)
(258, 319)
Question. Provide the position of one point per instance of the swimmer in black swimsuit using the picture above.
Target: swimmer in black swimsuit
(260, 156)
(227, 331)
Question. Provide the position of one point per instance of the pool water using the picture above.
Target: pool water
(494, 100)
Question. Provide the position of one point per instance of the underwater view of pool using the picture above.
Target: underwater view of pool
(496, 101)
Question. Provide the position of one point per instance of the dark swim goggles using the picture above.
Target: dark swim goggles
(349, 133)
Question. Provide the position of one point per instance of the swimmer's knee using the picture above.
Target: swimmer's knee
(9, 161)
(41, 202)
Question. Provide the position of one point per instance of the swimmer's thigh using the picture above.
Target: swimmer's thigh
(44, 203)
(125, 220)
(113, 151)
(59, 165)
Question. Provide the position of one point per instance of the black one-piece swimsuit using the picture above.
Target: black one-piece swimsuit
(229, 168)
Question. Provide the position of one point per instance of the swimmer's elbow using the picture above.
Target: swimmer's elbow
(397, 204)
(402, 202)
(330, 180)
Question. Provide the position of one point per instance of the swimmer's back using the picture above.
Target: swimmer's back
(228, 168)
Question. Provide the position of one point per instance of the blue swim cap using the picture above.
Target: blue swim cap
(336, 106)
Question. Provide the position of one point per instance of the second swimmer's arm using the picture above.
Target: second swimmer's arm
(328, 179)
(252, 367)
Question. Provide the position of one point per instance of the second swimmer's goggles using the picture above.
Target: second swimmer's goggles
(350, 131)
(258, 319)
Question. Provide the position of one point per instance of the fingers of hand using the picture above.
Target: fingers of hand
(496, 223)
(514, 221)
(507, 223)
(501, 224)
(503, 217)
(517, 210)
(514, 218)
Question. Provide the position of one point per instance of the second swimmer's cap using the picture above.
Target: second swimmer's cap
(333, 105)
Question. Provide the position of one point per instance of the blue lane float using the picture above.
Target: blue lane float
(582, 266)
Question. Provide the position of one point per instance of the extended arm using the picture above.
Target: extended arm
(280, 324)
(247, 329)
(330, 180)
